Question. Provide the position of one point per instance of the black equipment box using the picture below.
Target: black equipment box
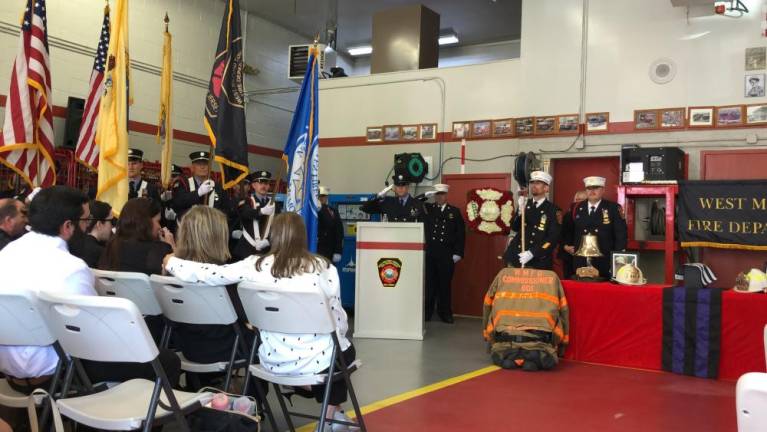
(659, 164)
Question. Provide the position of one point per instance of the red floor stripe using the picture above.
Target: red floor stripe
(575, 397)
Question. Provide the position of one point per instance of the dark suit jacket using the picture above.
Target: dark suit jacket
(608, 224)
(412, 211)
(185, 197)
(330, 232)
(445, 230)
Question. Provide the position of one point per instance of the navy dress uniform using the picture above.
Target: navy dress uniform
(542, 231)
(396, 209)
(604, 219)
(445, 237)
(186, 192)
(253, 221)
(330, 230)
(141, 188)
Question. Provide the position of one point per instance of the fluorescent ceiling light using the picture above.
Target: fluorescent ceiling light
(360, 50)
(448, 39)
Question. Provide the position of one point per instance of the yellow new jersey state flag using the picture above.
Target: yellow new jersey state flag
(112, 132)
(164, 129)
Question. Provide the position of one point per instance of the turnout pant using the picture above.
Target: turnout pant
(439, 275)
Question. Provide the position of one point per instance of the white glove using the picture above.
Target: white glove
(206, 187)
(261, 244)
(166, 196)
(430, 193)
(336, 258)
(268, 209)
(525, 257)
(385, 191)
(456, 258)
(236, 234)
(521, 202)
(170, 214)
(32, 194)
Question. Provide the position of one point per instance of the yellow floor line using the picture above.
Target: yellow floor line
(375, 406)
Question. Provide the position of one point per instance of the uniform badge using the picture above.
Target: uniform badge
(605, 217)
(542, 224)
(413, 212)
(389, 271)
(450, 216)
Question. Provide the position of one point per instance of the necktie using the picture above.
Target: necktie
(402, 202)
(133, 187)
(591, 211)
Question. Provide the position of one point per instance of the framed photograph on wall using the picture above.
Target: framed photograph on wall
(731, 115)
(503, 127)
(620, 259)
(754, 85)
(645, 119)
(392, 133)
(756, 114)
(597, 122)
(410, 132)
(428, 131)
(524, 126)
(672, 118)
(756, 58)
(545, 125)
(374, 134)
(567, 124)
(461, 129)
(700, 117)
(481, 129)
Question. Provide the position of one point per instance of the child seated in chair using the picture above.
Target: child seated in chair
(289, 264)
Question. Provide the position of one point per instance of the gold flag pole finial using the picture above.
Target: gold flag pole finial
(106, 6)
(316, 39)
(166, 20)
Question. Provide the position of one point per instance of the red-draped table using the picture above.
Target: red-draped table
(623, 326)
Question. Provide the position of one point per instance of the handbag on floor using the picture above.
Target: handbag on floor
(209, 419)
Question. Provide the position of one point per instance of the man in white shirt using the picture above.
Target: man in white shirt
(41, 260)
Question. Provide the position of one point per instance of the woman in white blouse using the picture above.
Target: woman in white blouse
(288, 265)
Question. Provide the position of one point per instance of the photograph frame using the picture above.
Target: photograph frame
(427, 136)
(690, 120)
(463, 125)
(518, 121)
(755, 59)
(755, 123)
(415, 128)
(487, 134)
(597, 130)
(629, 258)
(553, 130)
(718, 121)
(387, 128)
(507, 121)
(682, 111)
(379, 137)
(639, 113)
(748, 89)
(568, 132)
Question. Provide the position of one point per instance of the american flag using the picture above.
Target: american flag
(26, 144)
(87, 151)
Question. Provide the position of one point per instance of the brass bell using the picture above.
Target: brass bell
(589, 247)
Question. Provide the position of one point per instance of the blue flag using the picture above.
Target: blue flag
(301, 153)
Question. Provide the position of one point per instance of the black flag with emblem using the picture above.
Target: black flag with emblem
(225, 101)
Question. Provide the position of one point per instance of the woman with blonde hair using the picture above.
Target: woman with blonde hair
(288, 265)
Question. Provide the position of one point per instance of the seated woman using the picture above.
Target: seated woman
(90, 246)
(288, 265)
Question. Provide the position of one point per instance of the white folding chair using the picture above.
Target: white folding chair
(21, 323)
(297, 312)
(189, 303)
(107, 329)
(132, 286)
(751, 400)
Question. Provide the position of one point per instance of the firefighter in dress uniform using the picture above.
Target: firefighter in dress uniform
(199, 188)
(255, 212)
(138, 187)
(445, 235)
(542, 227)
(602, 218)
(169, 215)
(402, 207)
(330, 232)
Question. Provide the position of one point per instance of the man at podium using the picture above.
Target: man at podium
(401, 207)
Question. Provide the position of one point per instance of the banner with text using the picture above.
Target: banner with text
(727, 214)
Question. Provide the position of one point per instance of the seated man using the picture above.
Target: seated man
(526, 319)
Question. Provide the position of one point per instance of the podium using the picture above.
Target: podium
(388, 301)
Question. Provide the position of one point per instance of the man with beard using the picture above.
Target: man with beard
(13, 220)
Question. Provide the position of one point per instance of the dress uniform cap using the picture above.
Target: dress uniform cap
(199, 156)
(260, 175)
(400, 180)
(176, 170)
(441, 188)
(135, 154)
(594, 181)
(541, 177)
(324, 191)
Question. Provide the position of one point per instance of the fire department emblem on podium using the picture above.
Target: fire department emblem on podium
(489, 211)
(389, 271)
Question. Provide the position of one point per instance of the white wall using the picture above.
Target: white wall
(625, 37)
